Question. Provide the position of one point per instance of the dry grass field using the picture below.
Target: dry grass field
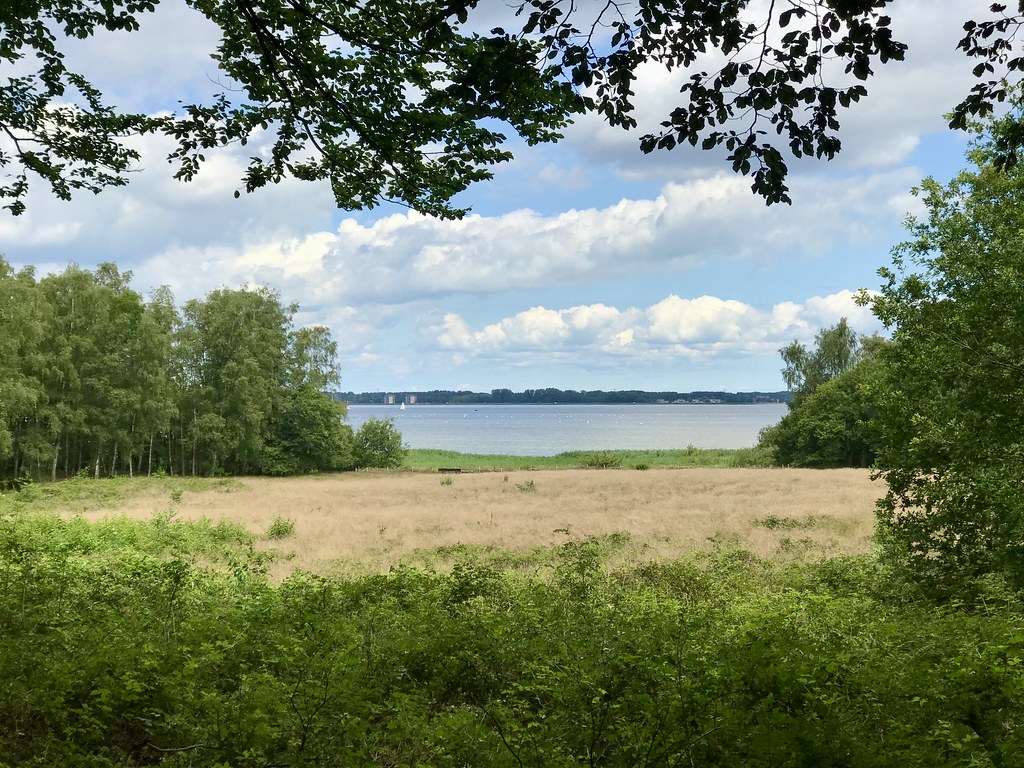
(367, 521)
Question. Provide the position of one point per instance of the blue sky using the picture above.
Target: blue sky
(584, 265)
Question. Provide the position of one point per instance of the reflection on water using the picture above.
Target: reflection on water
(544, 430)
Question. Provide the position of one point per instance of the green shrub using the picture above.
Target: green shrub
(14, 484)
(281, 528)
(830, 427)
(775, 523)
(377, 444)
(119, 650)
(601, 460)
(759, 456)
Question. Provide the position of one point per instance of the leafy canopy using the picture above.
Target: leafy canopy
(951, 421)
(836, 350)
(405, 100)
(829, 423)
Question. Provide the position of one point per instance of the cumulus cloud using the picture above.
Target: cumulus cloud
(189, 228)
(167, 59)
(406, 257)
(701, 327)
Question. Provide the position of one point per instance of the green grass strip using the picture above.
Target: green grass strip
(423, 459)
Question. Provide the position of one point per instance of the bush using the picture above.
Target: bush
(602, 460)
(830, 427)
(281, 528)
(378, 445)
(758, 456)
(308, 436)
(120, 650)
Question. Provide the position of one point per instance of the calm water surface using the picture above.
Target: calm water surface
(545, 430)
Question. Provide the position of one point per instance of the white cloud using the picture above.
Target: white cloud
(702, 327)
(31, 231)
(406, 257)
(705, 319)
(167, 59)
(569, 179)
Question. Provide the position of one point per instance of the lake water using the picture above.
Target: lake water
(545, 430)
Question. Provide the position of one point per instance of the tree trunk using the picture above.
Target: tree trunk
(149, 468)
(113, 463)
(96, 467)
(56, 455)
(131, 447)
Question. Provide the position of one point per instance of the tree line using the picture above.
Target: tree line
(96, 380)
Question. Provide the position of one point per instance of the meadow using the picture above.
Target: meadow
(372, 521)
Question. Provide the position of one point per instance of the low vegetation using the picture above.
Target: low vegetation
(432, 460)
(163, 642)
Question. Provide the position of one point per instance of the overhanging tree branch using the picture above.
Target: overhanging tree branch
(392, 99)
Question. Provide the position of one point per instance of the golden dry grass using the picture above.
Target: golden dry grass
(370, 521)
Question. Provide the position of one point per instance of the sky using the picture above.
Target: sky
(583, 265)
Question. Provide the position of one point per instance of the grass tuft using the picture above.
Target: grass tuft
(777, 523)
(281, 528)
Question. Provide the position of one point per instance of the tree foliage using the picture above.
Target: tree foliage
(404, 100)
(833, 426)
(952, 452)
(836, 350)
(829, 423)
(377, 444)
(95, 380)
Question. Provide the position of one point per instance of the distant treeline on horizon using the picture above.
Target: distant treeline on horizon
(558, 396)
